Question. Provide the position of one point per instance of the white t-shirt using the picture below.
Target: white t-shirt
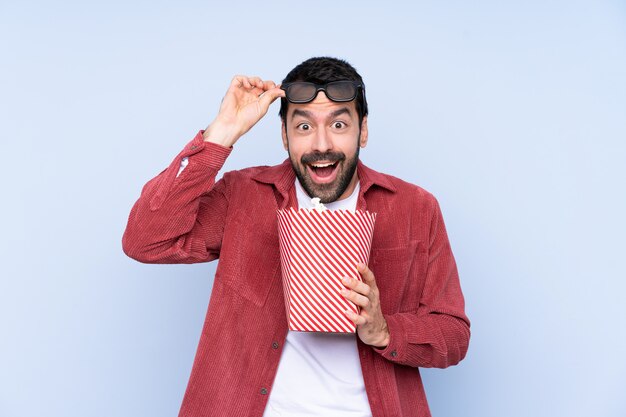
(319, 374)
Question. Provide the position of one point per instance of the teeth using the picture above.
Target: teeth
(323, 165)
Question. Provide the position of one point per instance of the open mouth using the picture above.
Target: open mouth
(323, 172)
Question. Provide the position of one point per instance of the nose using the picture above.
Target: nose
(322, 141)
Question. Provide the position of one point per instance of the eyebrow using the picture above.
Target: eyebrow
(308, 114)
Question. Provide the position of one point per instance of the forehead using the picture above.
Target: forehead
(321, 108)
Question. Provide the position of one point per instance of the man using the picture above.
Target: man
(411, 305)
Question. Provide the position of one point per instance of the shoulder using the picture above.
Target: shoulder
(401, 190)
(262, 177)
(262, 173)
(414, 190)
(246, 173)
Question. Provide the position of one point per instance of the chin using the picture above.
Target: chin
(327, 193)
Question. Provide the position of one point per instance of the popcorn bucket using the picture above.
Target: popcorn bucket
(317, 249)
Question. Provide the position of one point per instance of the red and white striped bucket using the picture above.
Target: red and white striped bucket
(318, 249)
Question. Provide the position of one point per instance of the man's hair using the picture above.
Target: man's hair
(322, 70)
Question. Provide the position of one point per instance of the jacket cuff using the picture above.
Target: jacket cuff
(395, 351)
(207, 154)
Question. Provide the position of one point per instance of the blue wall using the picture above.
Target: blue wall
(513, 115)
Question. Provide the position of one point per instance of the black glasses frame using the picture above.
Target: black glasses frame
(321, 87)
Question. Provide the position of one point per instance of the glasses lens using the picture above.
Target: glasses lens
(301, 92)
(341, 91)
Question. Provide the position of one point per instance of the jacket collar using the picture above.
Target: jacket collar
(283, 177)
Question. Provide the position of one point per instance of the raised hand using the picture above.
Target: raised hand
(245, 103)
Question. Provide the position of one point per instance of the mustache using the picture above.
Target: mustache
(322, 156)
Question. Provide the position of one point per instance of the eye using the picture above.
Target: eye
(303, 126)
(339, 125)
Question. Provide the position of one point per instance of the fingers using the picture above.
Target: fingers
(356, 285)
(357, 292)
(357, 319)
(256, 82)
(240, 81)
(268, 85)
(246, 82)
(362, 293)
(252, 83)
(358, 299)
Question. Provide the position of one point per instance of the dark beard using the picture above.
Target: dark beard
(327, 193)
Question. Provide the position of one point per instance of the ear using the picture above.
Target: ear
(363, 140)
(283, 131)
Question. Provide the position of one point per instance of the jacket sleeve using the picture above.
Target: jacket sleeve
(437, 334)
(180, 218)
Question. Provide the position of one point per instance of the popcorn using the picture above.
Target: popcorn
(317, 205)
(319, 247)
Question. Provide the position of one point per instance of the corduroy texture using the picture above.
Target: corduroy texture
(192, 218)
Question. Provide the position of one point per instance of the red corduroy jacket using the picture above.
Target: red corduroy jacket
(193, 218)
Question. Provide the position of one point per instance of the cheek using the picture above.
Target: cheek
(349, 145)
(295, 149)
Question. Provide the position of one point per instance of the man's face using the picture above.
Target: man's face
(323, 139)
